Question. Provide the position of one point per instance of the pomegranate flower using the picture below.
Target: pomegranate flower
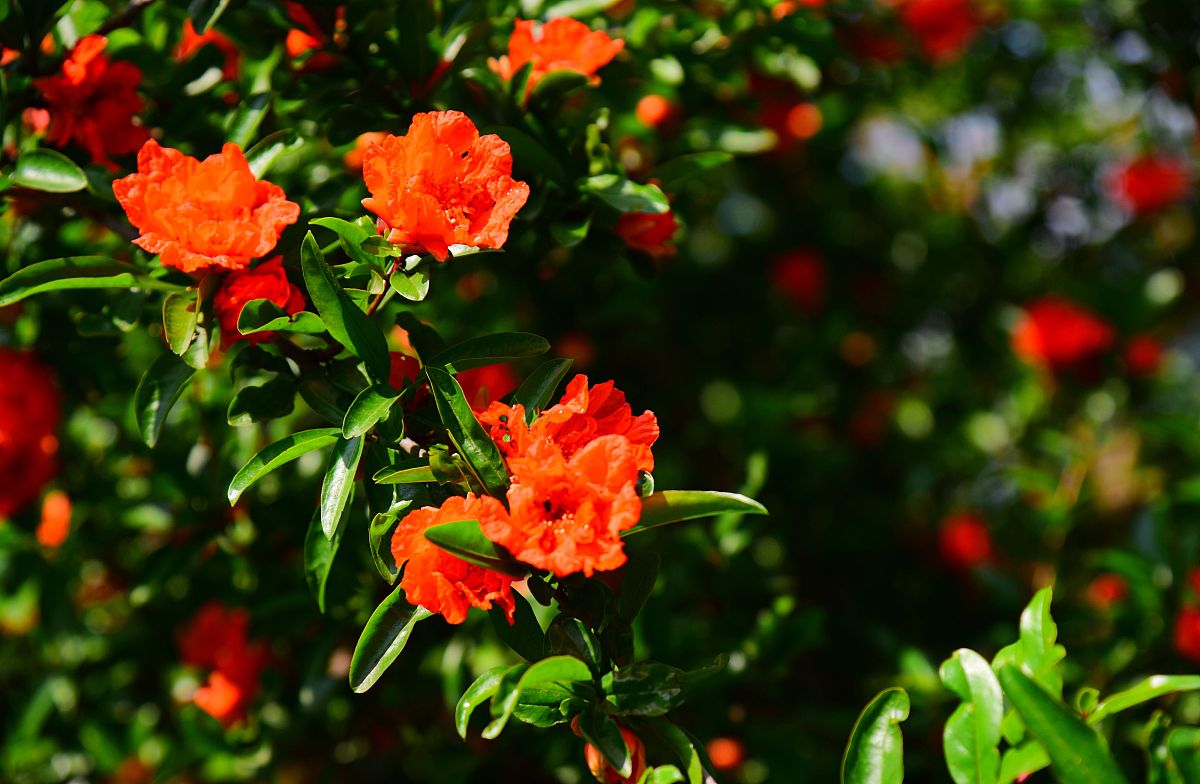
(562, 44)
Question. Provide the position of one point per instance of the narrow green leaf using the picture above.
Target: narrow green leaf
(351, 237)
(258, 403)
(408, 472)
(242, 125)
(180, 313)
(504, 701)
(875, 753)
(637, 582)
(677, 171)
(539, 387)
(1151, 688)
(339, 481)
(464, 539)
(382, 527)
(1077, 753)
(273, 456)
(468, 436)
(644, 689)
(571, 636)
(205, 13)
(383, 638)
(424, 338)
(49, 171)
(481, 690)
(524, 635)
(554, 671)
(663, 774)
(673, 506)
(346, 323)
(263, 315)
(161, 385)
(269, 149)
(318, 558)
(599, 729)
(73, 272)
(371, 405)
(971, 738)
(555, 86)
(1020, 761)
(625, 195)
(685, 749)
(413, 286)
(490, 350)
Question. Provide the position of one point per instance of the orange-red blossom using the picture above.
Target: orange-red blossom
(562, 44)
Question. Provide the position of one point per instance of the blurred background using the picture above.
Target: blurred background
(937, 310)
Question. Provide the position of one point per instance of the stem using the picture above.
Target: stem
(126, 17)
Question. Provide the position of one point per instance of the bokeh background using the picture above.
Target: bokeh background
(853, 329)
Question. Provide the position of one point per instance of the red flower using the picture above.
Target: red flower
(216, 640)
(726, 753)
(566, 515)
(964, 541)
(485, 384)
(311, 36)
(943, 28)
(266, 281)
(1187, 633)
(562, 44)
(93, 102)
(603, 772)
(29, 413)
(1060, 334)
(403, 370)
(353, 159)
(585, 414)
(1143, 355)
(801, 277)
(193, 42)
(438, 581)
(657, 111)
(648, 232)
(55, 524)
(443, 184)
(201, 214)
(1107, 589)
(1149, 183)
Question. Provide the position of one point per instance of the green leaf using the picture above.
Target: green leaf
(351, 237)
(637, 582)
(380, 533)
(243, 124)
(673, 506)
(73, 272)
(625, 195)
(1077, 753)
(318, 558)
(205, 13)
(971, 738)
(538, 388)
(553, 671)
(504, 701)
(279, 453)
(424, 338)
(556, 85)
(371, 405)
(339, 481)
(490, 350)
(525, 634)
(181, 311)
(529, 154)
(569, 232)
(677, 171)
(49, 171)
(271, 400)
(685, 749)
(602, 732)
(161, 385)
(269, 149)
(263, 315)
(468, 436)
(571, 636)
(413, 286)
(407, 472)
(875, 753)
(464, 539)
(383, 638)
(1151, 688)
(644, 689)
(482, 689)
(1019, 761)
(346, 323)
(663, 774)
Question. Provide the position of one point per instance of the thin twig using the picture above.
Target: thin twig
(126, 17)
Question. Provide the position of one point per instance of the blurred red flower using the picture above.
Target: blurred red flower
(1107, 589)
(657, 111)
(266, 281)
(964, 541)
(1149, 183)
(562, 44)
(648, 232)
(55, 525)
(311, 37)
(29, 412)
(202, 214)
(438, 581)
(1143, 355)
(943, 28)
(566, 515)
(483, 385)
(93, 102)
(603, 772)
(726, 753)
(1060, 334)
(443, 184)
(193, 42)
(1187, 633)
(801, 277)
(216, 640)
(403, 370)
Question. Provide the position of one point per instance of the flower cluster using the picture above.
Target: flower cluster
(562, 44)
(217, 640)
(29, 412)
